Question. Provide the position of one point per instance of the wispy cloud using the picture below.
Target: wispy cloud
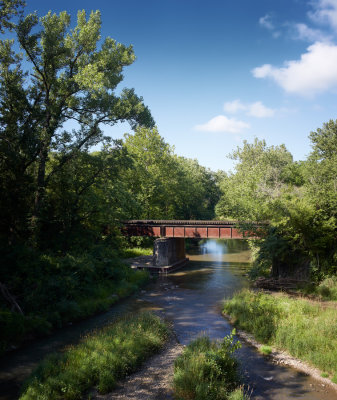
(234, 106)
(314, 72)
(325, 12)
(267, 23)
(257, 109)
(223, 124)
(304, 32)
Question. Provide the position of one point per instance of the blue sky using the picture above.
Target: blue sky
(215, 73)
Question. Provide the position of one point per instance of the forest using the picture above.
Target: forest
(66, 185)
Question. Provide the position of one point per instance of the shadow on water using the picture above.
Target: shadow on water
(194, 303)
(192, 299)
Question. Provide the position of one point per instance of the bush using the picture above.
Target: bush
(15, 327)
(207, 370)
(53, 289)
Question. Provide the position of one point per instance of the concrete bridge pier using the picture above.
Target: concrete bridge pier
(169, 253)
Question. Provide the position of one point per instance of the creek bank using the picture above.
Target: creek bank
(152, 382)
(301, 333)
(100, 360)
(283, 358)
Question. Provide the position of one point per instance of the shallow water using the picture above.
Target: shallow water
(192, 300)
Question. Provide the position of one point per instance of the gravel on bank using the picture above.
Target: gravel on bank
(282, 357)
(152, 382)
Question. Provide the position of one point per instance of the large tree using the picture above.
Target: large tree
(60, 102)
(260, 175)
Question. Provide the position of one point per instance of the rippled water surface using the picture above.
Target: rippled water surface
(192, 299)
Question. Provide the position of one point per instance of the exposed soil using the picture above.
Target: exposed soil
(152, 382)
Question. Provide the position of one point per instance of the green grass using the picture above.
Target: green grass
(266, 350)
(208, 370)
(136, 252)
(16, 328)
(307, 330)
(326, 290)
(99, 360)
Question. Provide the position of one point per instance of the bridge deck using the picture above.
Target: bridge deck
(186, 229)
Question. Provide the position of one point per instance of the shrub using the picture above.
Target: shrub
(207, 370)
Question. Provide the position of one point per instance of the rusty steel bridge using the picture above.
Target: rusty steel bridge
(189, 229)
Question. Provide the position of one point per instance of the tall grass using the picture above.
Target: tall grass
(208, 370)
(326, 290)
(100, 360)
(305, 329)
(53, 289)
(136, 252)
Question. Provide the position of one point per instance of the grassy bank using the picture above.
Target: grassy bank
(325, 290)
(208, 370)
(136, 252)
(59, 289)
(100, 360)
(306, 329)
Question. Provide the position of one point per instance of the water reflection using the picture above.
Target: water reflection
(192, 299)
(217, 270)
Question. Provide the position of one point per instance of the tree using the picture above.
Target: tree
(71, 79)
(197, 190)
(260, 176)
(9, 8)
(153, 179)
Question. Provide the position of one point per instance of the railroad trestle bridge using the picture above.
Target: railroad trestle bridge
(169, 248)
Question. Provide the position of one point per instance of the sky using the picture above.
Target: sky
(215, 73)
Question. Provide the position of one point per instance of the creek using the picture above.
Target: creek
(191, 299)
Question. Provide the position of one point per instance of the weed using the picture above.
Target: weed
(207, 370)
(266, 350)
(100, 360)
(305, 329)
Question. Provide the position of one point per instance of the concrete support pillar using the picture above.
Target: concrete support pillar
(168, 251)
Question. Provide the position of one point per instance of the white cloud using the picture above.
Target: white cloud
(234, 106)
(303, 32)
(325, 12)
(256, 109)
(315, 72)
(266, 22)
(223, 124)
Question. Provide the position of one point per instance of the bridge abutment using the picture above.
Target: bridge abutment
(169, 253)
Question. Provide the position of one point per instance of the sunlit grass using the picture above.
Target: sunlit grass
(266, 350)
(100, 360)
(208, 370)
(136, 252)
(305, 329)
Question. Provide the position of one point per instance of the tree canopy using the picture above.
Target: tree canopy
(64, 77)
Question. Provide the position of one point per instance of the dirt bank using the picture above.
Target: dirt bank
(153, 381)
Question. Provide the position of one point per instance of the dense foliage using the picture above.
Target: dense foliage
(298, 199)
(61, 203)
(208, 370)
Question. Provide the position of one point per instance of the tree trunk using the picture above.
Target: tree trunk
(40, 192)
